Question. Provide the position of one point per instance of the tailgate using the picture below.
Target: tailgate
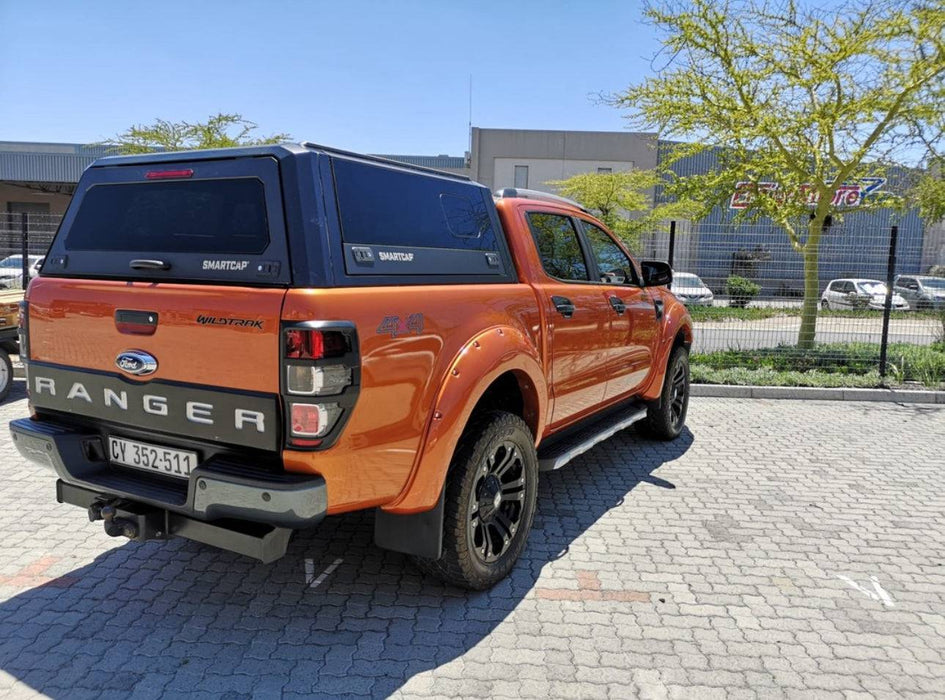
(159, 304)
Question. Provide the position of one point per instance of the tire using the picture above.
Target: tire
(6, 374)
(666, 418)
(495, 463)
(825, 305)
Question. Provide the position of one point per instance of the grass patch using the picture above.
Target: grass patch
(827, 365)
(764, 376)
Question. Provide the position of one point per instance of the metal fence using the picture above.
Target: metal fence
(748, 314)
(24, 240)
(880, 304)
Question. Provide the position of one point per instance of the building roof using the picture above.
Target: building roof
(22, 161)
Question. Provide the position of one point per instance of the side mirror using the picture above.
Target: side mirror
(656, 273)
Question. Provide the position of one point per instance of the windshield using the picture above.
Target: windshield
(14, 261)
(872, 288)
(684, 279)
(936, 283)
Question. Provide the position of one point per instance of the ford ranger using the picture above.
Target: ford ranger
(229, 345)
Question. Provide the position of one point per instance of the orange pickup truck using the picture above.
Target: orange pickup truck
(230, 345)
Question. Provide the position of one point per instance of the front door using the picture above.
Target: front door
(633, 318)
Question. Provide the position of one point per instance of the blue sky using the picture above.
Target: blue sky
(389, 77)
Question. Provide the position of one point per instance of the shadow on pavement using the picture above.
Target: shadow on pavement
(166, 618)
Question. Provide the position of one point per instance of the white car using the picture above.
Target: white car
(854, 293)
(691, 290)
(11, 270)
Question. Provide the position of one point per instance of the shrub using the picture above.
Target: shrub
(741, 291)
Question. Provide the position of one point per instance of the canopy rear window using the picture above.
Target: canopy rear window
(186, 216)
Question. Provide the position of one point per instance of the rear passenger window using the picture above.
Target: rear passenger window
(381, 206)
(558, 246)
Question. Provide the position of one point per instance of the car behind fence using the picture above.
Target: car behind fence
(880, 303)
(880, 299)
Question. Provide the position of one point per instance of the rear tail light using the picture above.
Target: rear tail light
(23, 329)
(323, 381)
(318, 361)
(310, 420)
(306, 344)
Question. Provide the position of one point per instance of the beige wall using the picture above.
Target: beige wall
(555, 154)
(543, 170)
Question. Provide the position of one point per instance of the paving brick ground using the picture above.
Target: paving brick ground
(780, 548)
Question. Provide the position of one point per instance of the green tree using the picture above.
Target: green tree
(808, 98)
(623, 201)
(219, 131)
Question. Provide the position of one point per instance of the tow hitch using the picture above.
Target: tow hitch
(129, 519)
(140, 522)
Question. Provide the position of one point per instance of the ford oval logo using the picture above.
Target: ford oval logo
(136, 362)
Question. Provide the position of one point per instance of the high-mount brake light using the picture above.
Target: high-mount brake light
(168, 174)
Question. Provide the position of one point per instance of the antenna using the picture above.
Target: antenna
(469, 124)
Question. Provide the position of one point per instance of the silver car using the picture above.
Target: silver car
(691, 290)
(854, 293)
(921, 291)
(11, 270)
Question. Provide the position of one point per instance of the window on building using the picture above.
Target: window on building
(558, 246)
(604, 171)
(521, 176)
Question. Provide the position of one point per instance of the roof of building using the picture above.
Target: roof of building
(22, 161)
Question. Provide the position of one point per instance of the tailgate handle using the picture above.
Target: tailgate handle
(150, 265)
(136, 322)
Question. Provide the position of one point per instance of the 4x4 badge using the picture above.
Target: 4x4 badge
(136, 362)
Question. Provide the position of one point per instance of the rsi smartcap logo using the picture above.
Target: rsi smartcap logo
(136, 362)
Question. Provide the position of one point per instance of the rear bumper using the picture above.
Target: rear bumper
(213, 491)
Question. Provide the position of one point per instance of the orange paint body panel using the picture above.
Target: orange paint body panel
(401, 376)
(72, 322)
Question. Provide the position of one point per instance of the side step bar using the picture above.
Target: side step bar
(142, 522)
(562, 451)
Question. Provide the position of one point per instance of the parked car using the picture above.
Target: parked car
(691, 290)
(921, 291)
(859, 294)
(11, 270)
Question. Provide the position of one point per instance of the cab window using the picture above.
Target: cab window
(613, 265)
(558, 246)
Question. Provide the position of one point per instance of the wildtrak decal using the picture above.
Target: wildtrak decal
(221, 321)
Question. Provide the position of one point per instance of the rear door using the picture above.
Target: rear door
(579, 316)
(184, 263)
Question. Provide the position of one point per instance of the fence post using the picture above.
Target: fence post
(672, 242)
(887, 307)
(26, 248)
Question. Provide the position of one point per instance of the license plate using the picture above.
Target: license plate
(152, 458)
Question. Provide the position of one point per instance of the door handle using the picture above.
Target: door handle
(618, 305)
(564, 306)
(658, 304)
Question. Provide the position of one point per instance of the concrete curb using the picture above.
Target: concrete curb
(817, 393)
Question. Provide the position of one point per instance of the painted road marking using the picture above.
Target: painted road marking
(310, 578)
(878, 592)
